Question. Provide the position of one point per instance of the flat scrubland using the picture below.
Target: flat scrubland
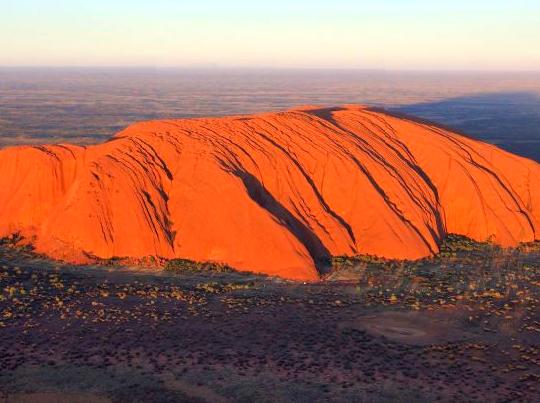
(89, 105)
(462, 326)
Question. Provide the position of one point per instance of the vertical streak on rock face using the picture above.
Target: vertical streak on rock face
(275, 193)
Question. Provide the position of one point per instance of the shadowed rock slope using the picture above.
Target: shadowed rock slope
(276, 193)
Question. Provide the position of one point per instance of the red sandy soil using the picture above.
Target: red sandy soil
(274, 193)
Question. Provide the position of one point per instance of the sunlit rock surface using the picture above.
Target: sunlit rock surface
(276, 193)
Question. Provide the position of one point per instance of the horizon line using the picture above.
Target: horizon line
(262, 67)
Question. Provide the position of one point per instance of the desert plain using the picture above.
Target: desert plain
(461, 326)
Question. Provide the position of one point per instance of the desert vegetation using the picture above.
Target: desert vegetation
(463, 325)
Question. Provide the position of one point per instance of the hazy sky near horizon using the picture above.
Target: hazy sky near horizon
(385, 34)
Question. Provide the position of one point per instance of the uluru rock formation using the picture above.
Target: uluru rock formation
(276, 193)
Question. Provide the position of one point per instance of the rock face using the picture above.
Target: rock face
(274, 193)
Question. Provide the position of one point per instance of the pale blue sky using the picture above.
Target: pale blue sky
(388, 34)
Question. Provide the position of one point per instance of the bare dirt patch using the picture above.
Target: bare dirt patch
(414, 327)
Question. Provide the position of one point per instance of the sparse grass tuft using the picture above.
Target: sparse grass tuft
(454, 244)
(182, 265)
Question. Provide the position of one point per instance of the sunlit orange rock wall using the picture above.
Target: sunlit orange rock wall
(275, 193)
